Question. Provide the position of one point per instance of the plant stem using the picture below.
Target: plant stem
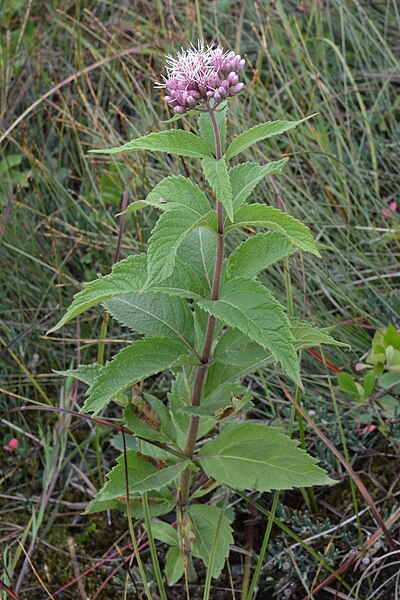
(201, 371)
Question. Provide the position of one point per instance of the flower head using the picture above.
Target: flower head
(201, 75)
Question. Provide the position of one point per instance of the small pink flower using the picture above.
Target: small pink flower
(11, 446)
(365, 430)
(201, 75)
(389, 212)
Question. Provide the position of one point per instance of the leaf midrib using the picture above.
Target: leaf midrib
(220, 457)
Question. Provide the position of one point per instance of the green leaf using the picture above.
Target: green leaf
(178, 398)
(194, 266)
(174, 566)
(248, 306)
(177, 190)
(198, 251)
(207, 130)
(160, 503)
(168, 234)
(258, 253)
(142, 430)
(117, 442)
(184, 281)
(306, 335)
(216, 173)
(142, 476)
(262, 215)
(349, 386)
(128, 275)
(85, 373)
(96, 505)
(165, 533)
(236, 355)
(225, 373)
(246, 176)
(389, 380)
(227, 400)
(9, 162)
(139, 360)
(236, 348)
(147, 417)
(258, 133)
(369, 383)
(154, 314)
(205, 521)
(253, 456)
(133, 207)
(390, 405)
(174, 141)
(391, 337)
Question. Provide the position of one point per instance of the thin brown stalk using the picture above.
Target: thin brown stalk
(75, 567)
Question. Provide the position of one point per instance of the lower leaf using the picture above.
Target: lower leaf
(252, 456)
(143, 476)
(174, 565)
(139, 360)
(205, 523)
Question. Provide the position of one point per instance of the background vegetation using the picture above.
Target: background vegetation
(77, 75)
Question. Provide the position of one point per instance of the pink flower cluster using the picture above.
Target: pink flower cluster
(200, 76)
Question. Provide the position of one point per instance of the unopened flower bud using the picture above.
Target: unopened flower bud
(236, 89)
(191, 101)
(233, 79)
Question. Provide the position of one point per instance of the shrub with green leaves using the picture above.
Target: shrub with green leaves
(378, 393)
(205, 317)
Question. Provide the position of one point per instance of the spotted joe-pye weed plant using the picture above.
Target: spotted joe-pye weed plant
(205, 317)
